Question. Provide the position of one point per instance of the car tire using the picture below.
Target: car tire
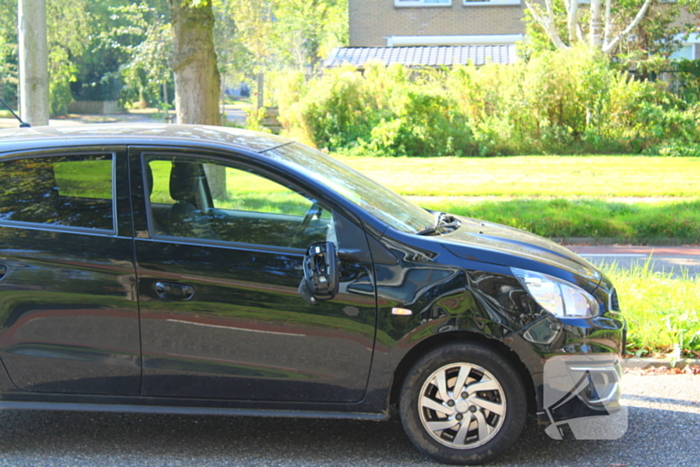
(468, 425)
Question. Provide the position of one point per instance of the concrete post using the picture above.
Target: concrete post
(33, 62)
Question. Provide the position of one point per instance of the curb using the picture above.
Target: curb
(639, 363)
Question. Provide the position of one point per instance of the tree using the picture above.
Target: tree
(197, 80)
(309, 29)
(127, 52)
(144, 38)
(605, 25)
(68, 30)
(193, 62)
(255, 30)
(274, 35)
(67, 36)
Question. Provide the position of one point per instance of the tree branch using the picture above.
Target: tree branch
(594, 29)
(572, 11)
(547, 22)
(606, 32)
(607, 48)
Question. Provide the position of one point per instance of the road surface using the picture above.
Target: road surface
(661, 258)
(664, 422)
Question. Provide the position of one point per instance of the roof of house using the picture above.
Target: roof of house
(430, 56)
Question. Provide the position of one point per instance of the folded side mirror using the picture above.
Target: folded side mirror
(320, 273)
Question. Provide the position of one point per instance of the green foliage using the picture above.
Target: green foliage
(423, 124)
(687, 74)
(309, 29)
(67, 28)
(556, 102)
(138, 38)
(8, 56)
(255, 118)
(268, 36)
(335, 111)
(90, 44)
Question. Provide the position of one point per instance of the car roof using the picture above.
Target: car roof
(141, 134)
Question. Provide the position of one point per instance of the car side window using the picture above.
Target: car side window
(68, 191)
(203, 199)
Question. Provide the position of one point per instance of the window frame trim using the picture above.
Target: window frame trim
(67, 228)
(420, 4)
(476, 3)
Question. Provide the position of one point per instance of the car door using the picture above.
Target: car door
(68, 312)
(219, 251)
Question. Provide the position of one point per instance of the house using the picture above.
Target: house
(392, 23)
(432, 33)
(446, 32)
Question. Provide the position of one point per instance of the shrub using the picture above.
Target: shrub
(564, 102)
(423, 124)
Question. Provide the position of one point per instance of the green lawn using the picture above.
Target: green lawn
(582, 217)
(591, 176)
(634, 199)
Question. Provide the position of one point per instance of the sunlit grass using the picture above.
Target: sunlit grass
(84, 178)
(245, 192)
(584, 217)
(591, 176)
(662, 310)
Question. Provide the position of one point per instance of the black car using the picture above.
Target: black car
(205, 270)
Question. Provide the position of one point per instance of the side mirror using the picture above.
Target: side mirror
(320, 280)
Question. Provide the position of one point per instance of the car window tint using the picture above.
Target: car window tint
(72, 191)
(194, 198)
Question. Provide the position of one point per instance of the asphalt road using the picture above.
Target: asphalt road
(662, 259)
(664, 422)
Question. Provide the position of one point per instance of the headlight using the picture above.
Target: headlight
(562, 299)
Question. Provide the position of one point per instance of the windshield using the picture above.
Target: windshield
(365, 193)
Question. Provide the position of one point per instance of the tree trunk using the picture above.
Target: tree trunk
(596, 24)
(33, 62)
(216, 178)
(197, 81)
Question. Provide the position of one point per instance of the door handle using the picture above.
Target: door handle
(168, 291)
(3, 271)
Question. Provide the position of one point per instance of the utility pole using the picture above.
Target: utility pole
(33, 62)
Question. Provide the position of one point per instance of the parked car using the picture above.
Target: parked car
(206, 270)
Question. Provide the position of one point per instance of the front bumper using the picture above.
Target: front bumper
(580, 386)
(580, 358)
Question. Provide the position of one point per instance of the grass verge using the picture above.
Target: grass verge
(632, 223)
(662, 310)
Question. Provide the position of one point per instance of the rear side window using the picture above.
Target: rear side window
(70, 191)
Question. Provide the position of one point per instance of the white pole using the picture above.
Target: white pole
(33, 62)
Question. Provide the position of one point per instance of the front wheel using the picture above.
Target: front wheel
(463, 404)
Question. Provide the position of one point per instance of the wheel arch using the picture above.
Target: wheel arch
(439, 340)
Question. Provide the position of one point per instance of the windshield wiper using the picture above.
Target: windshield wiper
(442, 221)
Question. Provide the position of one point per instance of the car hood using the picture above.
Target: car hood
(504, 243)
